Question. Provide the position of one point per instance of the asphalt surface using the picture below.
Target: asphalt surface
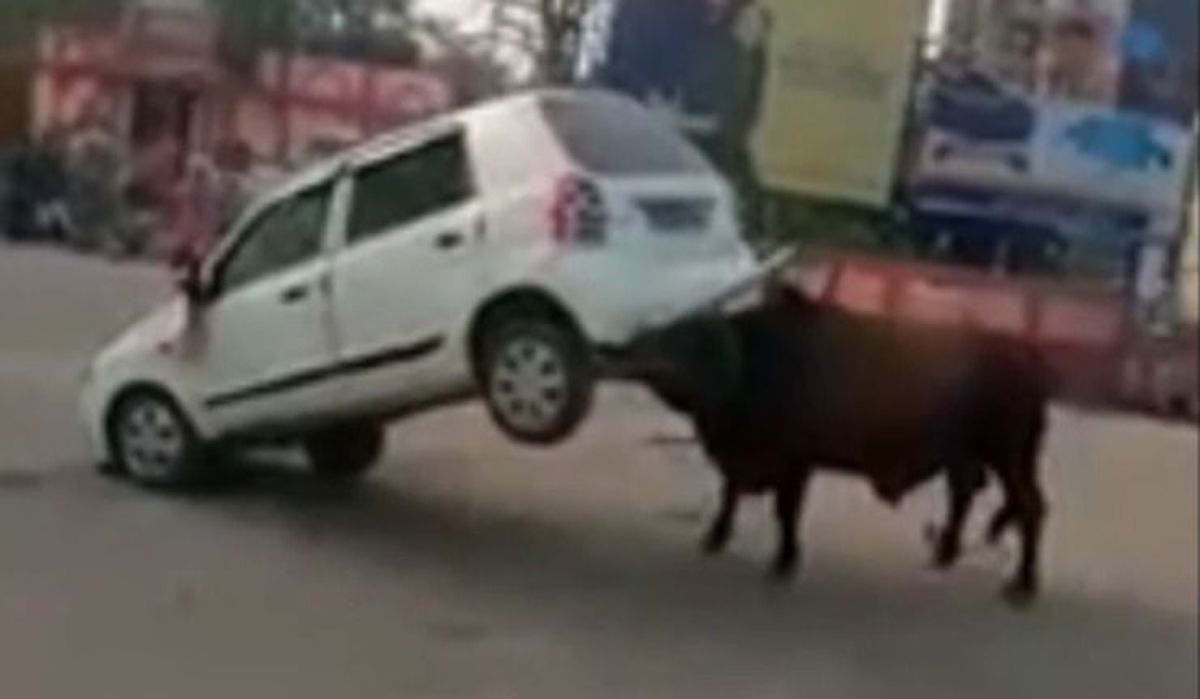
(467, 567)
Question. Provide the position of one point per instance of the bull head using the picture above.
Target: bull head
(693, 362)
(760, 277)
(693, 365)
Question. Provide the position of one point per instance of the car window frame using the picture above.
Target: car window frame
(407, 147)
(243, 228)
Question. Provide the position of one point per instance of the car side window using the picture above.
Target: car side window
(404, 189)
(285, 235)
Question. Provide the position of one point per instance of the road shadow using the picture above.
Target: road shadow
(915, 637)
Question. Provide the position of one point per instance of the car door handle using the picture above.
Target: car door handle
(448, 240)
(294, 294)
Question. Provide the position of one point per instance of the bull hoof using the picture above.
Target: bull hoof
(945, 556)
(1020, 596)
(783, 571)
(713, 545)
(946, 553)
(889, 495)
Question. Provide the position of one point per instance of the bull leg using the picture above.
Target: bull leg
(789, 501)
(963, 485)
(1030, 515)
(1029, 510)
(721, 530)
(1004, 518)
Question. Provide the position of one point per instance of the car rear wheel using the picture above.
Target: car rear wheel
(537, 380)
(347, 452)
(152, 441)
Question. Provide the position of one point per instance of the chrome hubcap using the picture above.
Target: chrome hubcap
(152, 441)
(529, 384)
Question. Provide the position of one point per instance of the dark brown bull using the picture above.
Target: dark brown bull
(787, 387)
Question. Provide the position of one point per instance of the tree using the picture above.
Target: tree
(549, 32)
(465, 62)
(377, 30)
(562, 25)
(359, 29)
(246, 28)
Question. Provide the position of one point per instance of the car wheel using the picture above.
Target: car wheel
(345, 453)
(152, 441)
(537, 380)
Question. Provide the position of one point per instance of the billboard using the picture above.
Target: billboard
(1072, 115)
(1052, 149)
(809, 96)
(836, 96)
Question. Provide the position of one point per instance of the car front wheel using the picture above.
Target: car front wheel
(152, 441)
(537, 380)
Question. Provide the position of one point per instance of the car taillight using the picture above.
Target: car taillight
(579, 214)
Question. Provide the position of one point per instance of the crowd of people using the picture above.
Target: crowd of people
(89, 190)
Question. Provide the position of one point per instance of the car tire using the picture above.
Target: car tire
(152, 442)
(537, 380)
(345, 453)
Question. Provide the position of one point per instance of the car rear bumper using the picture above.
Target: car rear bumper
(614, 303)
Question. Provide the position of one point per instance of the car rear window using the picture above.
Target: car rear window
(610, 137)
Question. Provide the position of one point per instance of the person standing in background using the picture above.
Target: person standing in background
(197, 212)
(234, 160)
(39, 190)
(99, 168)
(729, 91)
(702, 65)
(156, 171)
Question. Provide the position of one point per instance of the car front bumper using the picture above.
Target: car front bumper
(92, 420)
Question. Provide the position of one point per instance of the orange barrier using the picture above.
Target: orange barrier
(1089, 336)
(1086, 334)
(1045, 315)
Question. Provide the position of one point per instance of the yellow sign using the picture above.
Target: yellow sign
(838, 82)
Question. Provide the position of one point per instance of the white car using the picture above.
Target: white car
(488, 253)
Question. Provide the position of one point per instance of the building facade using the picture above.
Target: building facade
(155, 80)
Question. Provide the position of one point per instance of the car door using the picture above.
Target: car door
(268, 354)
(404, 274)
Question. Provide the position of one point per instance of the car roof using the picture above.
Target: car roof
(382, 145)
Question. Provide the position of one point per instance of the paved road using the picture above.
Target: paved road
(469, 568)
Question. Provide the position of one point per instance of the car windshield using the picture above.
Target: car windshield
(610, 137)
